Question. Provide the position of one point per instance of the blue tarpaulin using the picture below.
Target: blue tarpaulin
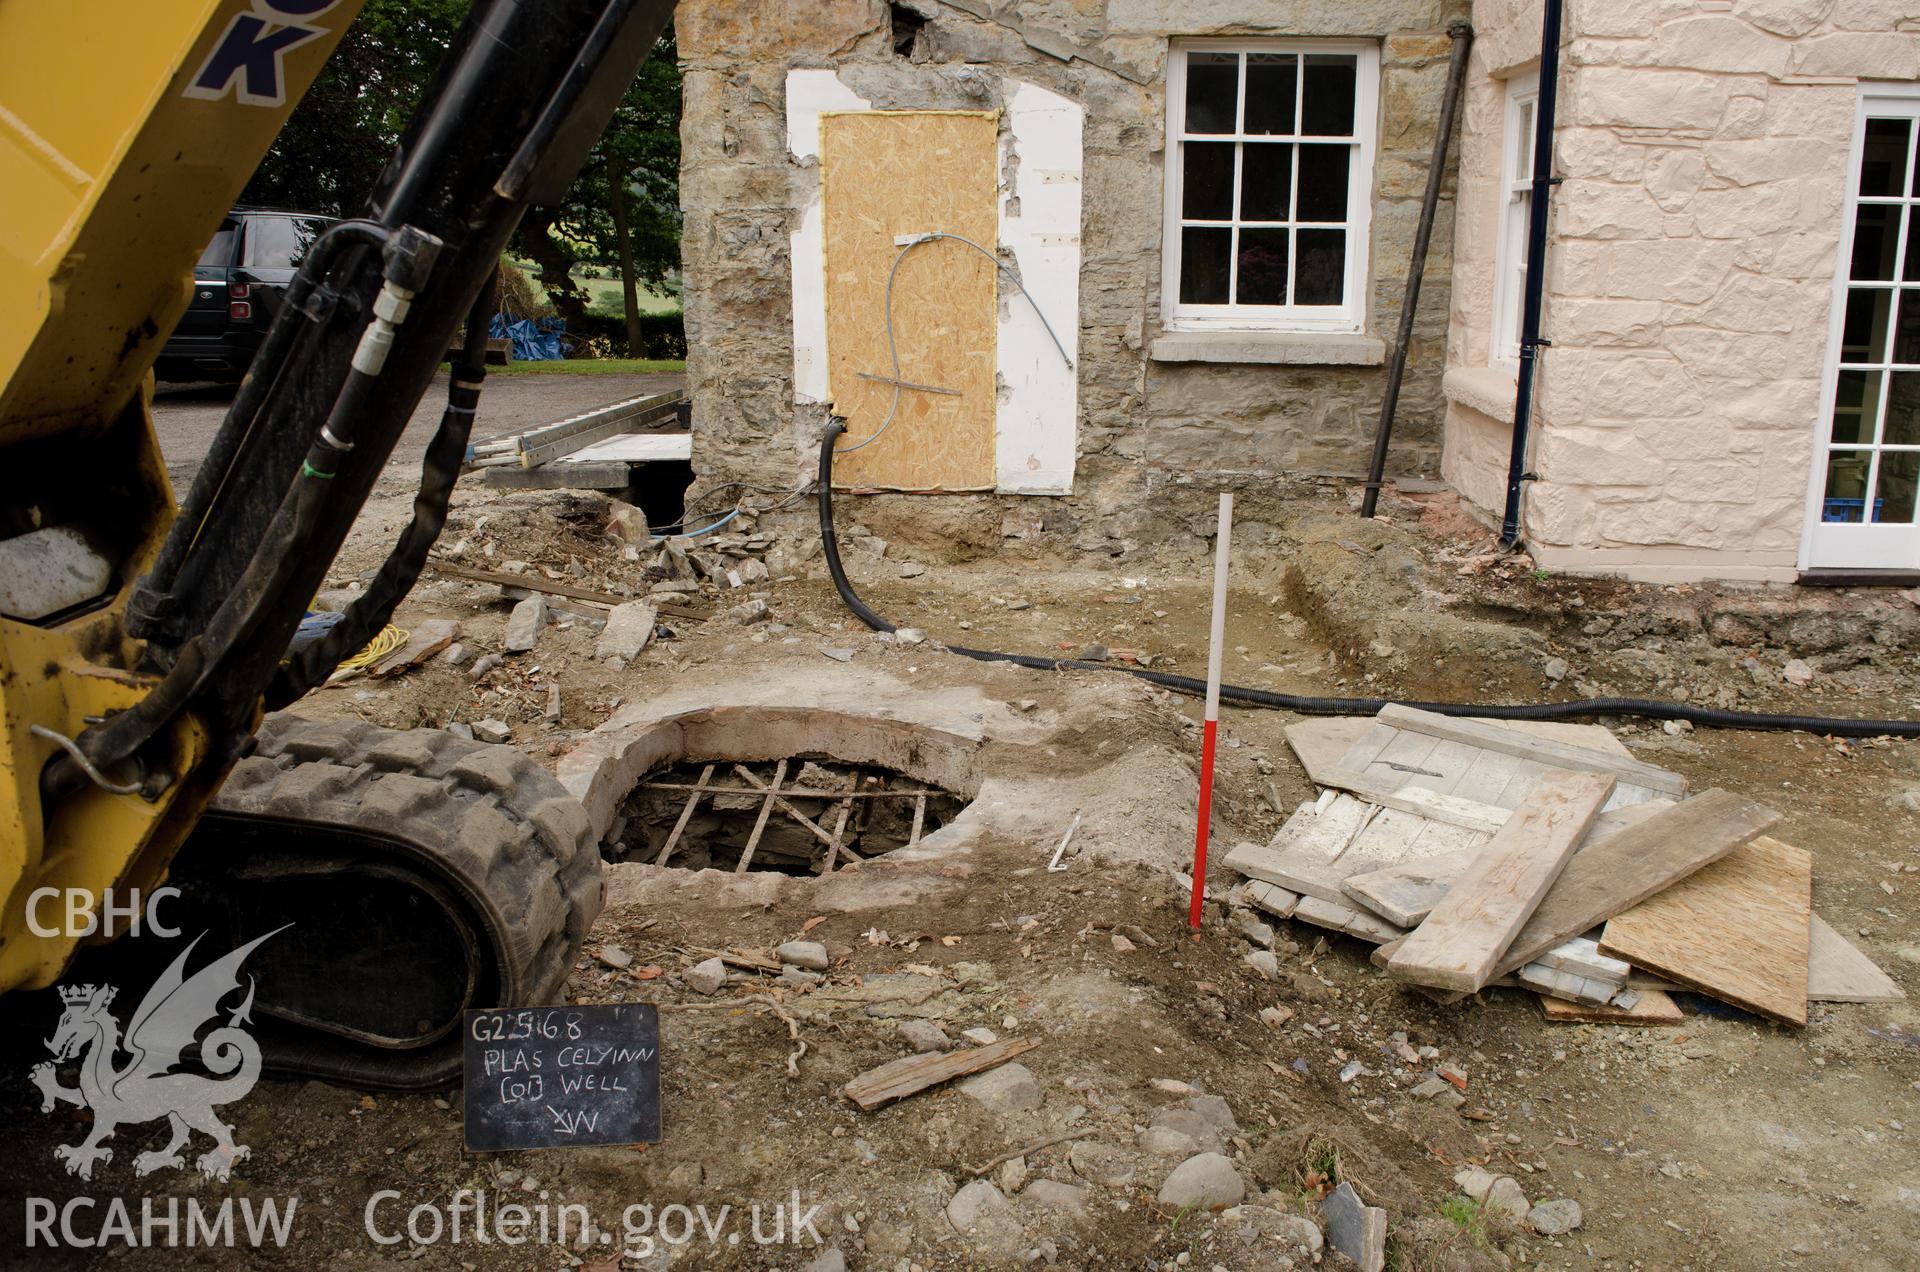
(534, 339)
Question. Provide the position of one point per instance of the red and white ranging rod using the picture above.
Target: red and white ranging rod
(1210, 731)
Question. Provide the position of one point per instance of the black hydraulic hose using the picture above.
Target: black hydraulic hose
(1462, 36)
(1583, 708)
(439, 471)
(256, 390)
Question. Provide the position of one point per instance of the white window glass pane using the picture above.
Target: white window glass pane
(1323, 183)
(1205, 256)
(1266, 180)
(1206, 189)
(1213, 91)
(1326, 96)
(1263, 267)
(1883, 160)
(1272, 81)
(1321, 274)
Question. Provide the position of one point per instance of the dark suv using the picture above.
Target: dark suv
(237, 289)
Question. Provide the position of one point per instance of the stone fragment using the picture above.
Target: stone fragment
(746, 612)
(1796, 672)
(495, 731)
(707, 977)
(628, 524)
(1010, 1088)
(1556, 669)
(1253, 929)
(1190, 1124)
(457, 654)
(1121, 945)
(1275, 1017)
(909, 635)
(524, 624)
(973, 1204)
(911, 569)
(811, 955)
(629, 629)
(828, 1260)
(1356, 1229)
(615, 956)
(461, 729)
(1500, 1194)
(552, 711)
(1263, 962)
(1214, 1110)
(980, 1035)
(1555, 1218)
(1164, 1141)
(483, 667)
(1054, 1195)
(1102, 1163)
(924, 1036)
(1202, 1182)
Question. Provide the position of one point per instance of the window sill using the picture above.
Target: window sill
(1487, 390)
(1288, 348)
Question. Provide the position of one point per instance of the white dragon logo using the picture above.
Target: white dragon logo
(162, 1027)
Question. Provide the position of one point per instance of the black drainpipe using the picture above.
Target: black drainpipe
(1462, 36)
(1530, 341)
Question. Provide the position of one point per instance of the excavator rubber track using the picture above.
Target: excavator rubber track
(414, 874)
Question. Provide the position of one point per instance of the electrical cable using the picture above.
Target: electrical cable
(1583, 708)
(893, 345)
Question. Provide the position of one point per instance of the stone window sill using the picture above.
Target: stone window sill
(1487, 390)
(1289, 348)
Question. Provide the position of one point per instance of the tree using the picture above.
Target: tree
(334, 145)
(624, 205)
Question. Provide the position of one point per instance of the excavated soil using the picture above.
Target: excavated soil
(1726, 1142)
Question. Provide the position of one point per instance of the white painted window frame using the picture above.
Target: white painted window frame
(1516, 202)
(1863, 544)
(1347, 317)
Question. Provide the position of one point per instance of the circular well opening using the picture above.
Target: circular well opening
(799, 791)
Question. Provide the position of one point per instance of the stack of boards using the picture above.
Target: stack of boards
(1544, 856)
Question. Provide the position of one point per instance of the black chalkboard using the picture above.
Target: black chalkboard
(559, 1077)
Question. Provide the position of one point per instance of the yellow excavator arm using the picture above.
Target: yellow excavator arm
(141, 640)
(125, 135)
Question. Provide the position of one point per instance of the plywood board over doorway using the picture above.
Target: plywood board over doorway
(890, 173)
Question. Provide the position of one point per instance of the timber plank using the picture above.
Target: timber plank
(1739, 929)
(1619, 872)
(1463, 938)
(1546, 751)
(1837, 972)
(1406, 893)
(898, 1079)
(1653, 1008)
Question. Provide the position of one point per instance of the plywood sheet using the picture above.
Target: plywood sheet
(889, 173)
(1837, 972)
(1465, 935)
(1739, 929)
(1653, 1008)
(1616, 874)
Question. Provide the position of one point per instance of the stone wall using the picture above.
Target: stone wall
(1704, 148)
(1142, 423)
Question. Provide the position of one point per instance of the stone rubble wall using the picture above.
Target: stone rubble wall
(1143, 425)
(1704, 148)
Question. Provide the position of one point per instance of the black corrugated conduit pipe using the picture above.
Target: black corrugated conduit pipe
(1536, 279)
(1462, 35)
(1647, 708)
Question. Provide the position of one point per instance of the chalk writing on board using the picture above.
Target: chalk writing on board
(548, 1077)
